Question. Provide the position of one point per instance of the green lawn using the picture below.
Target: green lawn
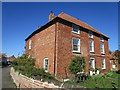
(113, 74)
(99, 81)
(108, 80)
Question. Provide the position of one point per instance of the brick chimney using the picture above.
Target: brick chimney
(51, 16)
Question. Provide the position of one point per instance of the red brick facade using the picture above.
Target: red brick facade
(54, 41)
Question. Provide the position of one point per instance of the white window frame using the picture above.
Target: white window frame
(44, 66)
(91, 46)
(103, 63)
(30, 44)
(102, 47)
(93, 62)
(101, 39)
(78, 45)
(77, 27)
(90, 34)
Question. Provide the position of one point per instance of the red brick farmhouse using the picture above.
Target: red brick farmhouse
(63, 37)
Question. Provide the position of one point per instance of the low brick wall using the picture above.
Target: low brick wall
(22, 81)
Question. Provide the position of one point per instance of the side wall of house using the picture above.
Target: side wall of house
(43, 47)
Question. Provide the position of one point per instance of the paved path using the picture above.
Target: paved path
(7, 81)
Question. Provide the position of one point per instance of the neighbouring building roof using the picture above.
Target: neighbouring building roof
(70, 19)
(11, 58)
(113, 57)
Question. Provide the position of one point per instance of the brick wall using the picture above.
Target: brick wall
(22, 81)
(64, 48)
(43, 47)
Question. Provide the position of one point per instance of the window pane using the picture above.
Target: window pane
(102, 47)
(103, 64)
(75, 47)
(92, 63)
(101, 38)
(76, 44)
(30, 44)
(46, 64)
(91, 45)
(75, 41)
(75, 29)
(90, 34)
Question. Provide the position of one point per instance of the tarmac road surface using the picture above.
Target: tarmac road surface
(7, 81)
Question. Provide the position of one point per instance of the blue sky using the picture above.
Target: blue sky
(20, 19)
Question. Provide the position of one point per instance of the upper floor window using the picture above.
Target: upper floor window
(46, 64)
(75, 44)
(75, 29)
(91, 46)
(30, 44)
(90, 34)
(92, 63)
(103, 64)
(102, 48)
(101, 38)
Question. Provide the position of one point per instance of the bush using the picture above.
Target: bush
(25, 65)
(118, 71)
(77, 65)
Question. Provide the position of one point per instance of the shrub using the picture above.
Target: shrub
(92, 69)
(97, 68)
(25, 65)
(77, 65)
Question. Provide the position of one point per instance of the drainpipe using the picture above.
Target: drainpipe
(55, 50)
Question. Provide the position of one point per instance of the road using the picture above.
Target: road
(7, 81)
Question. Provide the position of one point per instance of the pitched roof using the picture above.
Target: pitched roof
(78, 22)
(11, 58)
(70, 19)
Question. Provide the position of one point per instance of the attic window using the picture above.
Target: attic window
(90, 34)
(75, 29)
(101, 39)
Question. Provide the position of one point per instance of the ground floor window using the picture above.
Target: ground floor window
(103, 64)
(92, 63)
(46, 64)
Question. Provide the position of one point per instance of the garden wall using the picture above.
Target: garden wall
(22, 81)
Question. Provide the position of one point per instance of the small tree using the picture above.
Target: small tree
(77, 65)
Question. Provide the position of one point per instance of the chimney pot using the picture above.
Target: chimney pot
(51, 16)
(38, 27)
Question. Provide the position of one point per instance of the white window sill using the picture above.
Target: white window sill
(101, 40)
(46, 70)
(102, 53)
(91, 37)
(76, 32)
(76, 51)
(103, 68)
(92, 51)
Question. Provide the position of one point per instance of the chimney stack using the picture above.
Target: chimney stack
(51, 16)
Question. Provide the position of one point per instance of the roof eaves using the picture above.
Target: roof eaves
(92, 29)
(41, 28)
